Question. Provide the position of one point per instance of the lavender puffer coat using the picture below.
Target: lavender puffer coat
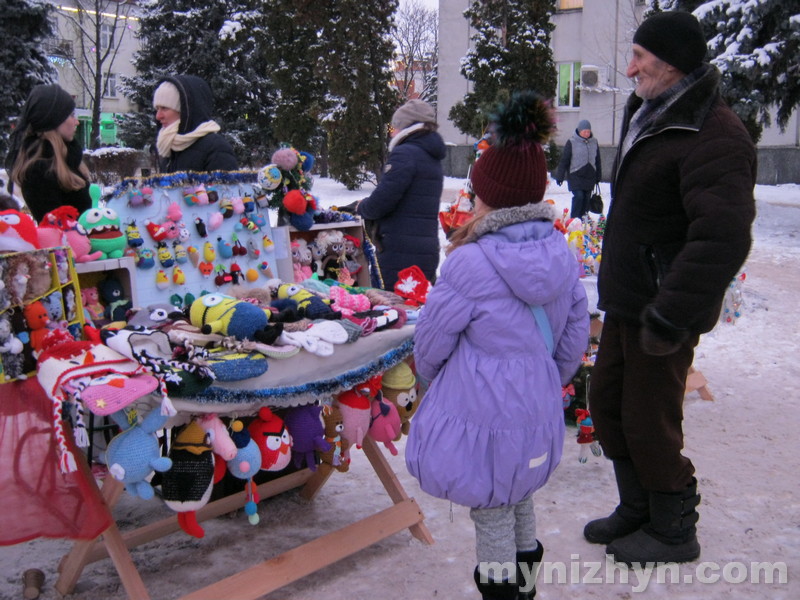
(490, 429)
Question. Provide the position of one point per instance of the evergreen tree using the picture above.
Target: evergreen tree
(358, 56)
(511, 53)
(186, 37)
(756, 45)
(24, 27)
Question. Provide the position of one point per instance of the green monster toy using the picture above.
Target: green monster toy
(102, 226)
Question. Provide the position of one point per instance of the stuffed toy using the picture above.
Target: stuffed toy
(301, 260)
(117, 305)
(273, 440)
(269, 177)
(332, 244)
(10, 351)
(36, 318)
(334, 426)
(18, 277)
(354, 405)
(69, 302)
(245, 465)
(385, 423)
(317, 254)
(308, 304)
(308, 434)
(217, 313)
(133, 235)
(90, 298)
(186, 486)
(221, 442)
(134, 454)
(412, 285)
(55, 307)
(103, 227)
(145, 258)
(164, 255)
(352, 252)
(17, 232)
(5, 301)
(399, 386)
(62, 265)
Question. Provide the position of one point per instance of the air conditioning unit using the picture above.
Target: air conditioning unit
(592, 77)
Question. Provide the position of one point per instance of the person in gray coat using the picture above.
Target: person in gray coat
(580, 167)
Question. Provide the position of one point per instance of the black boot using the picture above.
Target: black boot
(531, 560)
(671, 535)
(631, 513)
(495, 590)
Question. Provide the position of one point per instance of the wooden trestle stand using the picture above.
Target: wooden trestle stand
(269, 575)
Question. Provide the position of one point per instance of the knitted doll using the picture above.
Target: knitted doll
(308, 434)
(399, 386)
(245, 465)
(36, 318)
(187, 485)
(273, 439)
(354, 405)
(334, 426)
(10, 351)
(91, 303)
(385, 423)
(117, 305)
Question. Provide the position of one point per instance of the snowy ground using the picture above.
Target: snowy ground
(741, 444)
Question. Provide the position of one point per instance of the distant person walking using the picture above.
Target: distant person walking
(580, 167)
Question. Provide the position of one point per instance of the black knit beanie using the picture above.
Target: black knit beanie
(675, 37)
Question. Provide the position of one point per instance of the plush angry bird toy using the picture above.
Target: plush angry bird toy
(217, 313)
(17, 232)
(273, 439)
(103, 227)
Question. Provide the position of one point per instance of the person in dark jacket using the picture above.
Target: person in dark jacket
(404, 207)
(188, 139)
(44, 157)
(678, 231)
(580, 166)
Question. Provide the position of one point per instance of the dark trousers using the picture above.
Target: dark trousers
(580, 203)
(636, 401)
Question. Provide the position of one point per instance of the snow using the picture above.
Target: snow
(741, 444)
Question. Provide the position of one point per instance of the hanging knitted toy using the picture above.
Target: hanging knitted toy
(334, 426)
(399, 386)
(384, 423)
(244, 465)
(308, 434)
(187, 485)
(273, 440)
(586, 435)
(354, 405)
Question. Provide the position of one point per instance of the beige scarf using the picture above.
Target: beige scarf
(169, 140)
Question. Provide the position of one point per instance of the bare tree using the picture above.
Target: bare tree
(100, 25)
(416, 38)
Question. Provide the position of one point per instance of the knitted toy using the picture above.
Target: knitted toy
(55, 307)
(354, 405)
(347, 303)
(412, 285)
(133, 235)
(308, 434)
(385, 423)
(103, 227)
(5, 301)
(217, 313)
(331, 241)
(10, 351)
(245, 465)
(352, 250)
(17, 232)
(90, 298)
(117, 305)
(399, 386)
(187, 485)
(18, 277)
(134, 454)
(586, 435)
(308, 304)
(334, 426)
(301, 260)
(36, 318)
(153, 316)
(273, 440)
(109, 393)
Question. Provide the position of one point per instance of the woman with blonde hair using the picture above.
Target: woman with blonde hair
(44, 157)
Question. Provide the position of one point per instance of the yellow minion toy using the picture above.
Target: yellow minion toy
(218, 313)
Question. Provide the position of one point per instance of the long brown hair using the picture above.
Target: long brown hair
(68, 180)
(466, 233)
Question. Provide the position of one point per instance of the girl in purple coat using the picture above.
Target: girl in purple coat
(491, 429)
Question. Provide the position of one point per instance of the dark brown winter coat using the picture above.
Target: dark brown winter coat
(678, 227)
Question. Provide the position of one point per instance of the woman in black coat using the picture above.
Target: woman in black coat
(188, 138)
(44, 158)
(404, 207)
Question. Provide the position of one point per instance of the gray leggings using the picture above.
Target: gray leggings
(503, 531)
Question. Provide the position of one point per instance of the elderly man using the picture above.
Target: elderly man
(678, 231)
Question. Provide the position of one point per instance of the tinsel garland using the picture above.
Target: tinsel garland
(185, 178)
(375, 277)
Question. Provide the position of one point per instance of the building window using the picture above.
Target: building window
(569, 96)
(110, 89)
(569, 4)
(106, 36)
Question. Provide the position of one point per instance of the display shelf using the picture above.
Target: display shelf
(124, 269)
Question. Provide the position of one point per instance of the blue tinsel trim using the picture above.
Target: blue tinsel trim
(323, 387)
(184, 178)
(375, 277)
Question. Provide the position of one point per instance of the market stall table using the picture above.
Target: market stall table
(301, 379)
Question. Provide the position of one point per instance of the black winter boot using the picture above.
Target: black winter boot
(671, 535)
(631, 513)
(495, 590)
(527, 576)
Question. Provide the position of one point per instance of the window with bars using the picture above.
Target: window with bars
(106, 36)
(568, 96)
(110, 88)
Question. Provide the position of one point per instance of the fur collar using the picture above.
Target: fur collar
(404, 133)
(503, 217)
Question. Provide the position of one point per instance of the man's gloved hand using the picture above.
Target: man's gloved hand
(659, 336)
(349, 208)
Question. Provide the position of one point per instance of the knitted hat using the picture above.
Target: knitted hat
(48, 106)
(513, 172)
(583, 124)
(109, 393)
(675, 37)
(413, 111)
(399, 377)
(167, 96)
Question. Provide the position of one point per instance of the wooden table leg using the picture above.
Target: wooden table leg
(392, 485)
